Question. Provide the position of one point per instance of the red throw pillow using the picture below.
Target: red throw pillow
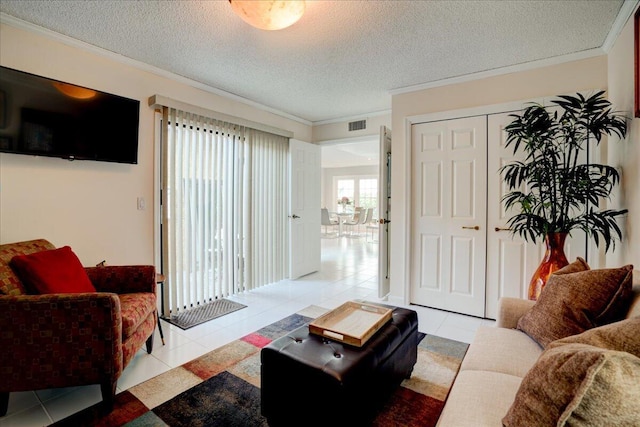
(57, 271)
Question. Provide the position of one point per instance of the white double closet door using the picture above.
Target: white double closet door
(463, 258)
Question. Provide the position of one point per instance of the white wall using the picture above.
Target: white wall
(339, 130)
(91, 206)
(625, 154)
(569, 77)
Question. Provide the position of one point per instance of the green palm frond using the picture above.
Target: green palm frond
(562, 193)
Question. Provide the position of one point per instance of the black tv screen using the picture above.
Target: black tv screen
(45, 117)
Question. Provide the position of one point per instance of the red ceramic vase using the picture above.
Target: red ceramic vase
(554, 259)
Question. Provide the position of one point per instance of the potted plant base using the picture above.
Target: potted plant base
(554, 259)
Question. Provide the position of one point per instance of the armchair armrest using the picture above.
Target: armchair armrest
(57, 340)
(123, 279)
(510, 310)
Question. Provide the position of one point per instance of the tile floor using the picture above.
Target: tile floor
(349, 270)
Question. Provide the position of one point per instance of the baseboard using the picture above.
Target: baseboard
(395, 300)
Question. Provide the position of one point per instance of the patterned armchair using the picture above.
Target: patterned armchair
(62, 340)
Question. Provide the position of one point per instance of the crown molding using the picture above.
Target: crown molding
(526, 66)
(70, 41)
(625, 12)
(352, 118)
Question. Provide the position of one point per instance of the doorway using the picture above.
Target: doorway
(349, 190)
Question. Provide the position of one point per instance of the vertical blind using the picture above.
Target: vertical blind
(224, 208)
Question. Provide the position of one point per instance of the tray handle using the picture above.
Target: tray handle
(333, 335)
(371, 309)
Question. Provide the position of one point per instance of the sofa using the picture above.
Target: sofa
(501, 356)
(65, 339)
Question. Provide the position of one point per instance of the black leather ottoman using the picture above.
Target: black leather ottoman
(308, 380)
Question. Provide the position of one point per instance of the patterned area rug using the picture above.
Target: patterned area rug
(222, 388)
(204, 313)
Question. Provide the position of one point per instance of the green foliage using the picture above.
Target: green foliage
(552, 189)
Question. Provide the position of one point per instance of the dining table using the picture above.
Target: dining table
(342, 217)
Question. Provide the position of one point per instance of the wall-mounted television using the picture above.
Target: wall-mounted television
(45, 117)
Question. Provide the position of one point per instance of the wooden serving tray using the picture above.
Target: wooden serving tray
(352, 323)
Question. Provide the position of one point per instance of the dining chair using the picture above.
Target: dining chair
(355, 220)
(366, 218)
(372, 227)
(326, 221)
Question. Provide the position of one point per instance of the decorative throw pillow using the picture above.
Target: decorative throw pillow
(572, 303)
(578, 265)
(52, 272)
(619, 336)
(578, 384)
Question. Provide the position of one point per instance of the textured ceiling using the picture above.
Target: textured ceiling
(343, 57)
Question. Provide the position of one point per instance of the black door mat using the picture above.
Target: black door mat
(203, 313)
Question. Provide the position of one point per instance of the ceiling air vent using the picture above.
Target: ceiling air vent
(357, 125)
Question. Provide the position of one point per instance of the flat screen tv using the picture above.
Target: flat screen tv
(45, 117)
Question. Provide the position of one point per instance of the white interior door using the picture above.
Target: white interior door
(449, 214)
(384, 209)
(511, 261)
(304, 202)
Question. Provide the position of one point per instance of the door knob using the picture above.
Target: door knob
(383, 221)
(294, 216)
(475, 227)
(502, 229)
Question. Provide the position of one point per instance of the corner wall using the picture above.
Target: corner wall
(91, 206)
(626, 153)
(570, 77)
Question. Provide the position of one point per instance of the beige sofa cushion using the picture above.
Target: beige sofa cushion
(479, 398)
(572, 303)
(578, 384)
(578, 265)
(507, 351)
(510, 310)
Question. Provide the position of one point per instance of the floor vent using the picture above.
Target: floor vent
(357, 125)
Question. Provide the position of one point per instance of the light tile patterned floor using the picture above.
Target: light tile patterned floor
(349, 271)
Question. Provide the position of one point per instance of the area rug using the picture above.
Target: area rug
(222, 387)
(203, 313)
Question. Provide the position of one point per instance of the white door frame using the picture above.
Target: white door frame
(384, 212)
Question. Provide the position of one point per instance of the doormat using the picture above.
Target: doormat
(203, 313)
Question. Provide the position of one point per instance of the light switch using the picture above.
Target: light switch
(141, 203)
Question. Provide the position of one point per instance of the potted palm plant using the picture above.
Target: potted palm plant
(552, 191)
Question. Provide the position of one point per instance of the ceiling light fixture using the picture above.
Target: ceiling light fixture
(268, 15)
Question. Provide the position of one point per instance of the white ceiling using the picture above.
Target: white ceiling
(343, 58)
